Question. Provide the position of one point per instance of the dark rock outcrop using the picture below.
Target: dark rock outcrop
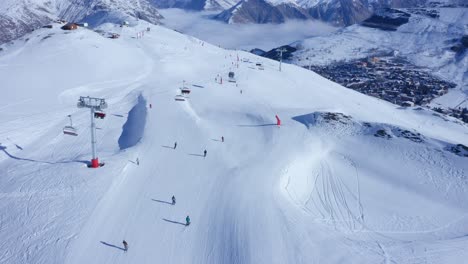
(464, 41)
(387, 19)
(274, 54)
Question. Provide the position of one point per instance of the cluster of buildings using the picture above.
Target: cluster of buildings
(389, 78)
(392, 79)
(459, 113)
(74, 26)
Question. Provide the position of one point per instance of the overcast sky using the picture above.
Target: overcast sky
(245, 36)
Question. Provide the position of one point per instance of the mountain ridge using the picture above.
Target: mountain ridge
(336, 12)
(18, 18)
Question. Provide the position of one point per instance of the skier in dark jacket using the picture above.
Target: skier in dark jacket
(187, 220)
(204, 153)
(175, 145)
(173, 200)
(125, 244)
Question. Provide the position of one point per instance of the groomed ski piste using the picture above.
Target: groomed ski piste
(346, 178)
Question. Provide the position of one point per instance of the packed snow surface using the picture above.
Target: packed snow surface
(346, 178)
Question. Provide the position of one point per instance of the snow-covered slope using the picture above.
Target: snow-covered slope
(425, 41)
(18, 17)
(346, 179)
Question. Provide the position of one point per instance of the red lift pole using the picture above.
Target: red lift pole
(93, 104)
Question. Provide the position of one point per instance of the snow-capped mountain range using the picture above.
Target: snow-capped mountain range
(195, 5)
(22, 16)
(337, 12)
(18, 17)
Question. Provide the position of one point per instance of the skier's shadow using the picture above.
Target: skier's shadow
(160, 201)
(174, 222)
(114, 246)
(169, 147)
(261, 125)
(197, 155)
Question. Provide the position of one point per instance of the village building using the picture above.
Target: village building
(70, 26)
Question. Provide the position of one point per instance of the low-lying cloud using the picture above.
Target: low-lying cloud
(242, 36)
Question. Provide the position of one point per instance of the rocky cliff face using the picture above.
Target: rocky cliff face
(336, 12)
(14, 27)
(195, 4)
(261, 11)
(341, 12)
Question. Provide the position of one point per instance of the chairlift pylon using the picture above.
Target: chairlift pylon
(70, 130)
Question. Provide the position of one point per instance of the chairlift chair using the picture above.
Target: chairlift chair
(185, 90)
(70, 130)
(100, 115)
(231, 77)
(179, 97)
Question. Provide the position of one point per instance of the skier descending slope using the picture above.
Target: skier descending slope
(175, 145)
(125, 244)
(204, 153)
(187, 220)
(278, 121)
(173, 200)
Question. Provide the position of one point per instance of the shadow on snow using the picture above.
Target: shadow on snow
(114, 246)
(194, 154)
(160, 201)
(261, 125)
(3, 148)
(132, 130)
(174, 222)
(169, 147)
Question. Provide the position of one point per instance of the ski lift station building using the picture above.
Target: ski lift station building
(70, 26)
